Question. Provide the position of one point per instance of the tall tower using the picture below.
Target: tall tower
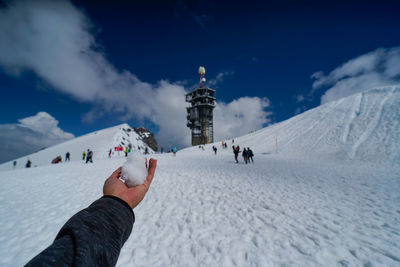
(200, 112)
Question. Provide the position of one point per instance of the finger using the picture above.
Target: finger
(152, 169)
(116, 173)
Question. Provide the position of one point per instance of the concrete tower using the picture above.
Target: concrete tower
(200, 112)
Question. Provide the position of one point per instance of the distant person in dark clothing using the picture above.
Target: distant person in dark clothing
(236, 151)
(67, 157)
(245, 155)
(146, 151)
(109, 153)
(14, 164)
(250, 155)
(95, 235)
(89, 156)
(28, 164)
(215, 150)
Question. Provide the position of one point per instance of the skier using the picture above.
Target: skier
(215, 150)
(15, 164)
(126, 151)
(89, 156)
(109, 153)
(174, 151)
(67, 157)
(28, 164)
(250, 155)
(245, 155)
(83, 155)
(95, 235)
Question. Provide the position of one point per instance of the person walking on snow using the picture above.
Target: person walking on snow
(250, 155)
(215, 150)
(245, 155)
(174, 151)
(126, 151)
(83, 155)
(89, 156)
(236, 151)
(109, 153)
(67, 157)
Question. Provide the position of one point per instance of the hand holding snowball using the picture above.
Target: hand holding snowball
(113, 186)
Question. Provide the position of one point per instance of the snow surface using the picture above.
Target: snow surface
(329, 195)
(99, 142)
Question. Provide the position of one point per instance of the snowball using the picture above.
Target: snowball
(134, 170)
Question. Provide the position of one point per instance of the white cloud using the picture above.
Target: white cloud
(219, 78)
(300, 98)
(378, 68)
(54, 40)
(29, 135)
(240, 117)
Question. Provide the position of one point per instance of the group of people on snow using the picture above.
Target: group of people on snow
(56, 160)
(247, 154)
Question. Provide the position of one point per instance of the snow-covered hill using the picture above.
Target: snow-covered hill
(364, 126)
(329, 195)
(99, 142)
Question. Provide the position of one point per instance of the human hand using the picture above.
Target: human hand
(134, 195)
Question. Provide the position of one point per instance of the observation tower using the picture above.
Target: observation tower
(200, 112)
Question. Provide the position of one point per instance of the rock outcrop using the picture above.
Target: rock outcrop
(147, 137)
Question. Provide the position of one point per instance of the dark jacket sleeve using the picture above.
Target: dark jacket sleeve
(92, 237)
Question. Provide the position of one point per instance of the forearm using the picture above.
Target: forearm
(92, 237)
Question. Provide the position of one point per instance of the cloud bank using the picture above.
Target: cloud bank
(240, 117)
(378, 68)
(30, 135)
(54, 40)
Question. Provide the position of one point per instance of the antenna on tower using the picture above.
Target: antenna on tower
(202, 72)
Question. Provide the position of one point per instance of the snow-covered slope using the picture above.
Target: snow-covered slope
(330, 196)
(205, 210)
(99, 142)
(364, 126)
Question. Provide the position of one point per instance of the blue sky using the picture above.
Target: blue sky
(259, 56)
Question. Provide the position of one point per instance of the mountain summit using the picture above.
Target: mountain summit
(100, 142)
